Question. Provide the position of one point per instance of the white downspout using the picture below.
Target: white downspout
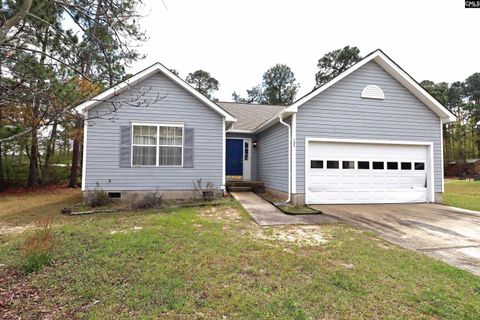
(289, 164)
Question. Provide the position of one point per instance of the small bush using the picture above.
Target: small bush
(152, 200)
(34, 262)
(37, 248)
(97, 197)
(207, 191)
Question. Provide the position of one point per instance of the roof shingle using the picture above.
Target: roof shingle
(250, 116)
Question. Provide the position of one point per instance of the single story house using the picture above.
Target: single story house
(370, 135)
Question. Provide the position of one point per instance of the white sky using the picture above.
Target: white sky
(237, 41)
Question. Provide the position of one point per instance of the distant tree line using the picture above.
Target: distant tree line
(461, 138)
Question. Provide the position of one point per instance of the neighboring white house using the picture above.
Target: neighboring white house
(371, 135)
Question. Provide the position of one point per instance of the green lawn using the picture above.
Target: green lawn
(210, 262)
(462, 193)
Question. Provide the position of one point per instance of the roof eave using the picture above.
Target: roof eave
(396, 72)
(134, 80)
(267, 124)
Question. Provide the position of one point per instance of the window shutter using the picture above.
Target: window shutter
(188, 148)
(125, 146)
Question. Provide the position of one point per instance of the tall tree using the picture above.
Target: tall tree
(203, 82)
(43, 62)
(472, 88)
(278, 87)
(336, 62)
(109, 26)
(253, 95)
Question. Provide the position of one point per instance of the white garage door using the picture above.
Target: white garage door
(341, 172)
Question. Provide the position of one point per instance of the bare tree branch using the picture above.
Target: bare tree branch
(15, 20)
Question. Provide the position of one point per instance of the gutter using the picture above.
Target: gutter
(289, 158)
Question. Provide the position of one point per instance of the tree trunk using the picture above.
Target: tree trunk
(14, 21)
(33, 156)
(2, 181)
(48, 154)
(75, 156)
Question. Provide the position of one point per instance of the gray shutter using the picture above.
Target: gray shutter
(188, 148)
(125, 146)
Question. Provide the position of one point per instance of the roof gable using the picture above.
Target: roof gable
(142, 75)
(397, 73)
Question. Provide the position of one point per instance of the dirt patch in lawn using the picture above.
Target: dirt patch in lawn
(223, 214)
(299, 235)
(310, 235)
(5, 229)
(115, 231)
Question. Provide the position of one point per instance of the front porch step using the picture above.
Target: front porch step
(240, 189)
(245, 186)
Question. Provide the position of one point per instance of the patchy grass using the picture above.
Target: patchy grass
(210, 262)
(462, 193)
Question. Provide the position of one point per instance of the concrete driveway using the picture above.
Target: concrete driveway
(449, 234)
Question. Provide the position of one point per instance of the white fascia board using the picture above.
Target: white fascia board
(396, 72)
(370, 141)
(327, 85)
(417, 90)
(157, 67)
(239, 131)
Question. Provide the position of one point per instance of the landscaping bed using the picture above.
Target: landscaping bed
(287, 208)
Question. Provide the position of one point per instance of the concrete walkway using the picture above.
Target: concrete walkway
(265, 214)
(447, 233)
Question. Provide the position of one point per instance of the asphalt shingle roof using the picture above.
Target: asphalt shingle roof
(250, 116)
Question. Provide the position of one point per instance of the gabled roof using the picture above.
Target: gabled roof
(250, 116)
(142, 75)
(397, 73)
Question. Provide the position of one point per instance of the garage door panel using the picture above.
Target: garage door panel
(392, 184)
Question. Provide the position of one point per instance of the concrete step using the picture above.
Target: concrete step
(239, 189)
(244, 183)
(255, 186)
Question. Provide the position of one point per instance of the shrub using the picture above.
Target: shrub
(97, 197)
(151, 200)
(38, 247)
(34, 262)
(207, 191)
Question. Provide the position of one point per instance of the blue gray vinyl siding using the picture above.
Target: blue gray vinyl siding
(254, 150)
(176, 106)
(340, 112)
(273, 157)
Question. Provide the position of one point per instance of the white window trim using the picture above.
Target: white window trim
(157, 145)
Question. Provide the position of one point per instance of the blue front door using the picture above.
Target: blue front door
(234, 157)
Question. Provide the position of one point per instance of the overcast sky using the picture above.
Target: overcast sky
(237, 41)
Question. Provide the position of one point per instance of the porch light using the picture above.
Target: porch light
(254, 144)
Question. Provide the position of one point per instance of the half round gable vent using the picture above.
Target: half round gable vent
(373, 92)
